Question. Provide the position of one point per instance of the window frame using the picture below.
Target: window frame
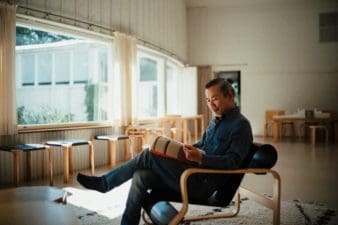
(160, 82)
(76, 32)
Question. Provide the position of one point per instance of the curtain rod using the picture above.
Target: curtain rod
(91, 25)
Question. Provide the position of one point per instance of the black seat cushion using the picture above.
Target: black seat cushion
(72, 142)
(23, 147)
(111, 137)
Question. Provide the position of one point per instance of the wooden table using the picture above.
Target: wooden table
(279, 119)
(34, 206)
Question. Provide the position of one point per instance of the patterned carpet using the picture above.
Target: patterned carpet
(93, 208)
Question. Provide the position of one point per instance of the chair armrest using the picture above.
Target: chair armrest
(188, 172)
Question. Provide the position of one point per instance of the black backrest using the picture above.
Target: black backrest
(261, 156)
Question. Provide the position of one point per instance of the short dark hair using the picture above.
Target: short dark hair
(224, 85)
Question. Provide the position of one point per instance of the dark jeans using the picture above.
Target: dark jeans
(151, 172)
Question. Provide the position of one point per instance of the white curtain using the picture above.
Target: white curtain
(8, 115)
(125, 68)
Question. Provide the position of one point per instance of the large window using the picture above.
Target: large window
(156, 86)
(147, 85)
(61, 78)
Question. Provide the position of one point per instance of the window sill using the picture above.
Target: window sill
(62, 127)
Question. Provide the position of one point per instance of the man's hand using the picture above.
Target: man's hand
(193, 154)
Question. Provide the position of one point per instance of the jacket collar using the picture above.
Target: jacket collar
(229, 113)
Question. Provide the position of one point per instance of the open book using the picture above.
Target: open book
(168, 148)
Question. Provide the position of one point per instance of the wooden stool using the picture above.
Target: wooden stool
(112, 140)
(67, 147)
(137, 135)
(314, 128)
(27, 148)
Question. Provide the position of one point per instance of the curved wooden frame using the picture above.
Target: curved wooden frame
(272, 203)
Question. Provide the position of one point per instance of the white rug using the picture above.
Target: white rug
(94, 208)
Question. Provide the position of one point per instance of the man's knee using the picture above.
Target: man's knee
(143, 177)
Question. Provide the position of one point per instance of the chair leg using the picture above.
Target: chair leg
(145, 219)
(234, 212)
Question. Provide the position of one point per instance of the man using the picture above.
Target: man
(224, 145)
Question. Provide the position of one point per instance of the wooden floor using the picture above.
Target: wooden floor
(309, 173)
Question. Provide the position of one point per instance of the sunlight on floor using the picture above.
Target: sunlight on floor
(110, 204)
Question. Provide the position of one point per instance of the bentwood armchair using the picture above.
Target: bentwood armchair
(261, 159)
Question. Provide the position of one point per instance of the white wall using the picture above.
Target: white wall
(276, 47)
(187, 89)
(160, 22)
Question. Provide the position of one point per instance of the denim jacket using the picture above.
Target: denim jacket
(226, 141)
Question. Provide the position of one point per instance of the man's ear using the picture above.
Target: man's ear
(231, 95)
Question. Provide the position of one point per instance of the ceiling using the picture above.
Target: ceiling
(229, 3)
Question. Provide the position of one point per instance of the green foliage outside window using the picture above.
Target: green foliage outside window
(90, 101)
(44, 115)
(29, 36)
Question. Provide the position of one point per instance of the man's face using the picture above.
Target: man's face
(217, 102)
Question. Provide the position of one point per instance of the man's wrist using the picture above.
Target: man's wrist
(201, 156)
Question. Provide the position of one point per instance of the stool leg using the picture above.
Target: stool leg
(70, 152)
(28, 165)
(16, 167)
(132, 146)
(65, 163)
(91, 157)
(127, 149)
(112, 153)
(326, 135)
(43, 163)
(313, 136)
(185, 132)
(50, 159)
(140, 147)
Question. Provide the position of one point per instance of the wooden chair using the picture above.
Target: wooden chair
(269, 114)
(261, 158)
(170, 125)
